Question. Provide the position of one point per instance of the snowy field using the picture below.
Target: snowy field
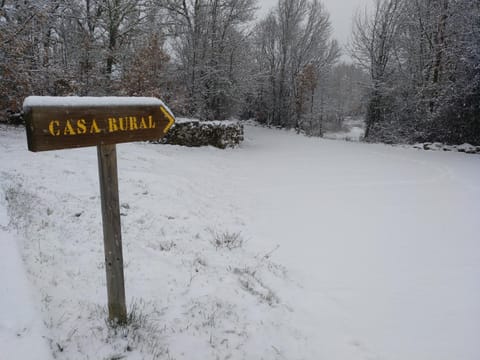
(285, 248)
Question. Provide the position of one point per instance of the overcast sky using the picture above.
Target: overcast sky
(341, 12)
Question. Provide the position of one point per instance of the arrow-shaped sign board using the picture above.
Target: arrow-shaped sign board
(69, 122)
(54, 123)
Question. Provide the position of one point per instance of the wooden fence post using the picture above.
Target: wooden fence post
(112, 237)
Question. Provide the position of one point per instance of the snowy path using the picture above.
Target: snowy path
(386, 240)
(375, 252)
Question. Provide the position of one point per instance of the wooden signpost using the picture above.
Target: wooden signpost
(54, 123)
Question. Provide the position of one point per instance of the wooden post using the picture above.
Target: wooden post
(54, 123)
(112, 237)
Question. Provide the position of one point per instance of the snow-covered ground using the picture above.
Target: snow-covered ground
(285, 248)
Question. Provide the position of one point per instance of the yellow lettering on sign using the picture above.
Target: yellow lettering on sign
(81, 126)
(143, 124)
(94, 129)
(133, 123)
(53, 128)
(151, 123)
(112, 125)
(69, 130)
(122, 124)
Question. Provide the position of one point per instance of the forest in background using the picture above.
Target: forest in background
(423, 58)
(415, 75)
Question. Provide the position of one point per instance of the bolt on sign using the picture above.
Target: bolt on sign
(54, 123)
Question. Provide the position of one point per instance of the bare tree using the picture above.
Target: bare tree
(208, 38)
(293, 47)
(25, 33)
(373, 46)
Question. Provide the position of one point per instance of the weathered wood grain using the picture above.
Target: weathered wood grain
(112, 236)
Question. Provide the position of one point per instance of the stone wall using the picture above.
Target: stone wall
(194, 133)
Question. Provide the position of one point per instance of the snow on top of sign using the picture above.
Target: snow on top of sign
(44, 101)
